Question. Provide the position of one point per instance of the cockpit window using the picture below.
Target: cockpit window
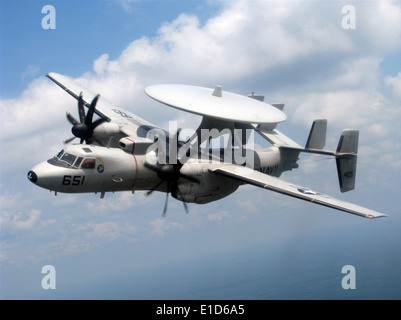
(78, 162)
(65, 160)
(88, 163)
(68, 157)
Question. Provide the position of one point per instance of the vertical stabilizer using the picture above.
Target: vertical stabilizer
(317, 135)
(346, 159)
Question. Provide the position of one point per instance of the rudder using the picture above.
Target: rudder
(346, 159)
(317, 135)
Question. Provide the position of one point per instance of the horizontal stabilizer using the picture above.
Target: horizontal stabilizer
(346, 153)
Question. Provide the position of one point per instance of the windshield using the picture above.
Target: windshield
(68, 157)
(66, 160)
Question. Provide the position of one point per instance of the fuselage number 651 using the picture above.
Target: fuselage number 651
(73, 180)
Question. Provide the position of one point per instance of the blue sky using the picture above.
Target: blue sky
(28, 51)
(252, 244)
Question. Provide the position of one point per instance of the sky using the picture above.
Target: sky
(254, 244)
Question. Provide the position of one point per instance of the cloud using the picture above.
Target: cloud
(104, 228)
(248, 206)
(294, 52)
(30, 72)
(121, 201)
(346, 107)
(111, 230)
(218, 216)
(377, 24)
(35, 111)
(127, 4)
(19, 221)
(17, 213)
(271, 43)
(160, 226)
(394, 83)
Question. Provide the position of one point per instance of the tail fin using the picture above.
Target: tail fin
(346, 159)
(317, 135)
(346, 154)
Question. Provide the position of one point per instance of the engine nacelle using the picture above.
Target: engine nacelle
(135, 145)
(108, 133)
(107, 129)
(212, 187)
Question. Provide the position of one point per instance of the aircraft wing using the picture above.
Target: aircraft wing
(261, 180)
(127, 121)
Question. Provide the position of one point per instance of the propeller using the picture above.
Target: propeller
(85, 127)
(170, 174)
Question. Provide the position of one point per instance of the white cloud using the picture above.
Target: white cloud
(104, 228)
(218, 216)
(348, 108)
(127, 4)
(30, 72)
(292, 51)
(39, 108)
(120, 201)
(17, 213)
(110, 229)
(377, 24)
(21, 220)
(161, 226)
(248, 205)
(395, 84)
(296, 51)
(158, 226)
(245, 41)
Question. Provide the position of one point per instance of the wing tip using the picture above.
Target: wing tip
(379, 215)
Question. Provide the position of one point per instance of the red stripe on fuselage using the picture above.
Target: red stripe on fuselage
(136, 162)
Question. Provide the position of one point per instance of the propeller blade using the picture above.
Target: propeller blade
(181, 196)
(162, 157)
(81, 109)
(173, 149)
(71, 119)
(149, 166)
(154, 188)
(185, 207)
(68, 140)
(170, 172)
(89, 115)
(84, 129)
(96, 123)
(165, 204)
(190, 149)
(92, 139)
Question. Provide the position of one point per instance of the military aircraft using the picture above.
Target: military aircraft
(123, 152)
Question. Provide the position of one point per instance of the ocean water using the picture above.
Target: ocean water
(305, 265)
(255, 273)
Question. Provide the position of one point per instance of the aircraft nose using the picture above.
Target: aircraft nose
(32, 176)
